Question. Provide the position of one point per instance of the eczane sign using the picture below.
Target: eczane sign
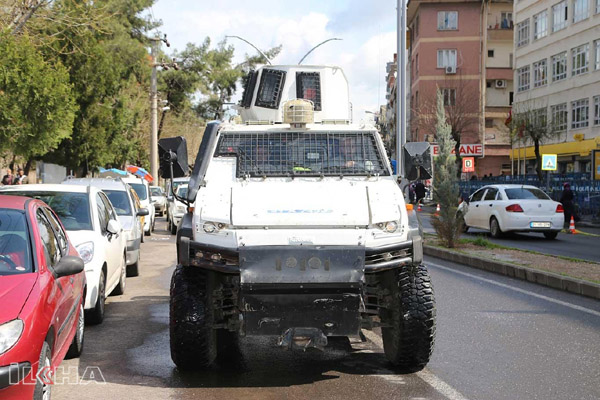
(466, 150)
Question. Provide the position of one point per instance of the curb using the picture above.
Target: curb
(555, 281)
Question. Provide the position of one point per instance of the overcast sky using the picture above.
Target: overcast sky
(367, 27)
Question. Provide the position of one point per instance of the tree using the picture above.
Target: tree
(448, 224)
(530, 123)
(36, 99)
(462, 109)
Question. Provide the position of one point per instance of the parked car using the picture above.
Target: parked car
(159, 200)
(512, 208)
(127, 213)
(142, 188)
(42, 292)
(175, 183)
(93, 227)
(177, 209)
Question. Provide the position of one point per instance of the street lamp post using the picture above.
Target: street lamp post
(401, 86)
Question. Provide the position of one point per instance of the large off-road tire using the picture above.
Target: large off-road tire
(495, 230)
(192, 337)
(76, 347)
(409, 317)
(95, 315)
(42, 388)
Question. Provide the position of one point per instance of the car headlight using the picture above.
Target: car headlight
(86, 251)
(10, 333)
(389, 227)
(212, 227)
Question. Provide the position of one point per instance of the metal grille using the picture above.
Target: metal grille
(269, 91)
(303, 154)
(308, 86)
(387, 256)
(249, 86)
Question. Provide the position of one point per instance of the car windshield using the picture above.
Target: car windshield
(156, 191)
(182, 191)
(141, 190)
(309, 154)
(15, 254)
(120, 201)
(524, 193)
(73, 209)
(177, 184)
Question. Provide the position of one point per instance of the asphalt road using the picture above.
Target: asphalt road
(586, 247)
(497, 339)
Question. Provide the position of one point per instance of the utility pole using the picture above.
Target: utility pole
(154, 106)
(401, 86)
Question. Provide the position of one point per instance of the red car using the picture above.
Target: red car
(42, 289)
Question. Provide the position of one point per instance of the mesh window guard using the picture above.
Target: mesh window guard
(269, 91)
(303, 154)
(308, 86)
(249, 85)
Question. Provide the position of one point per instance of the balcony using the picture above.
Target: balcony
(500, 34)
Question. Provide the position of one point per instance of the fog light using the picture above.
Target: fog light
(391, 227)
(199, 254)
(216, 257)
(209, 227)
(387, 256)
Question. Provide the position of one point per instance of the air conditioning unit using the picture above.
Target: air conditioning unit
(451, 69)
(500, 83)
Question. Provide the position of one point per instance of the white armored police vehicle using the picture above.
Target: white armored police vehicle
(296, 228)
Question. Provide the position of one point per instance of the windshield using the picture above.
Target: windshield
(120, 201)
(182, 191)
(155, 191)
(73, 209)
(177, 184)
(526, 194)
(141, 191)
(15, 256)
(310, 154)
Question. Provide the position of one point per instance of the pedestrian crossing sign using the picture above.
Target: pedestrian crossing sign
(549, 162)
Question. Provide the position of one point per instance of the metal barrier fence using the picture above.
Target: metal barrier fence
(587, 191)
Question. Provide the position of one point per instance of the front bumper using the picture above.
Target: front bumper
(13, 374)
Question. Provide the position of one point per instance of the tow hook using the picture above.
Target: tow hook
(302, 338)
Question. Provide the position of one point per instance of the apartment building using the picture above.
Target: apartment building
(464, 49)
(557, 73)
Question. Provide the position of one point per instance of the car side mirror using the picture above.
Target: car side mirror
(113, 227)
(417, 161)
(68, 265)
(142, 212)
(173, 156)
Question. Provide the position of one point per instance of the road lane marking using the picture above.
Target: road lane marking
(425, 375)
(516, 289)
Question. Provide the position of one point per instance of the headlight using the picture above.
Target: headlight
(389, 227)
(212, 227)
(86, 251)
(10, 333)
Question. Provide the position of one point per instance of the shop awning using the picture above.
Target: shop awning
(578, 148)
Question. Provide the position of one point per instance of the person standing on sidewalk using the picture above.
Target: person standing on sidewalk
(8, 178)
(21, 178)
(566, 200)
(420, 191)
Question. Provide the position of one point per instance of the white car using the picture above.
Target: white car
(159, 200)
(512, 208)
(92, 225)
(124, 205)
(142, 188)
(174, 183)
(177, 209)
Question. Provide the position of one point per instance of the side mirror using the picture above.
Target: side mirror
(113, 227)
(173, 156)
(417, 161)
(68, 265)
(142, 212)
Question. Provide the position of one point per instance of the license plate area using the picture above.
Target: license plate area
(540, 225)
(301, 264)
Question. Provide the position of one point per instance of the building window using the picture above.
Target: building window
(446, 58)
(489, 123)
(540, 117)
(559, 116)
(417, 99)
(447, 20)
(559, 66)
(580, 56)
(559, 16)
(491, 53)
(597, 110)
(449, 97)
(597, 46)
(540, 25)
(523, 79)
(597, 6)
(506, 20)
(579, 113)
(581, 10)
(523, 33)
(417, 64)
(417, 26)
(540, 73)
